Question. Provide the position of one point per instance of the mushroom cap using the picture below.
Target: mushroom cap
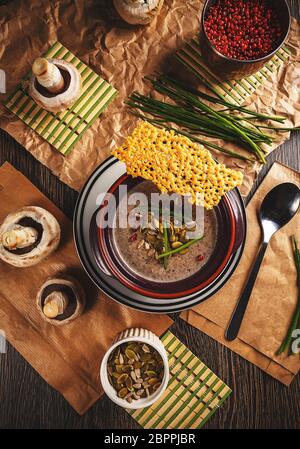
(49, 240)
(67, 282)
(58, 102)
(138, 12)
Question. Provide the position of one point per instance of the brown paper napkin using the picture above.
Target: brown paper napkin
(69, 357)
(122, 55)
(273, 299)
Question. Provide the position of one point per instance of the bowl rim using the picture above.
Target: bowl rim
(114, 292)
(159, 295)
(244, 61)
(145, 402)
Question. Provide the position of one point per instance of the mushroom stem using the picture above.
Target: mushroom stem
(19, 238)
(55, 304)
(48, 75)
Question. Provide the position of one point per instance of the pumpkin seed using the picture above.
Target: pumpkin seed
(133, 375)
(121, 379)
(173, 238)
(176, 245)
(141, 244)
(151, 373)
(126, 369)
(119, 369)
(146, 357)
(184, 251)
(128, 398)
(151, 238)
(156, 386)
(133, 347)
(130, 354)
(145, 348)
(123, 392)
(129, 383)
(153, 381)
(137, 386)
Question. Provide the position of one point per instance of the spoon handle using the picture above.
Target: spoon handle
(240, 309)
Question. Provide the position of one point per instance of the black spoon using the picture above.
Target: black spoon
(277, 209)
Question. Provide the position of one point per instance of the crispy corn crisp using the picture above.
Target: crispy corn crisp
(175, 164)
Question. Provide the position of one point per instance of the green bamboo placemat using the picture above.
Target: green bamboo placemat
(64, 129)
(235, 91)
(193, 395)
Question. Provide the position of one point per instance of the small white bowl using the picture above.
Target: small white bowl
(143, 336)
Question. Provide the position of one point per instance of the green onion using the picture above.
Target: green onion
(295, 323)
(166, 244)
(193, 117)
(177, 250)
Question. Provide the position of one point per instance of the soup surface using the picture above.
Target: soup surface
(142, 261)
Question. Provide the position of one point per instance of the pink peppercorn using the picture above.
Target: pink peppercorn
(243, 29)
(133, 237)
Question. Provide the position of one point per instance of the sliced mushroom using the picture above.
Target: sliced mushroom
(138, 12)
(28, 236)
(55, 84)
(60, 300)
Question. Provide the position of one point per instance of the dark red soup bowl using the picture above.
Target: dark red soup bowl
(230, 219)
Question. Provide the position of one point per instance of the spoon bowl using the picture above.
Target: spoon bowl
(278, 208)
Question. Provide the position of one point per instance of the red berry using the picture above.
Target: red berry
(133, 237)
(250, 28)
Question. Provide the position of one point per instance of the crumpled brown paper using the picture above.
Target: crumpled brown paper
(122, 54)
(67, 357)
(274, 296)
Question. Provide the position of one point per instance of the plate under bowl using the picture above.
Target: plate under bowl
(88, 203)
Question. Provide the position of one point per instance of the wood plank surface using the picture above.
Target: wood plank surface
(258, 401)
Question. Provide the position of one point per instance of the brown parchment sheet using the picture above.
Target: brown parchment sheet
(274, 296)
(67, 357)
(122, 54)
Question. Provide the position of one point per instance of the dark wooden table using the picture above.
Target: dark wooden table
(258, 401)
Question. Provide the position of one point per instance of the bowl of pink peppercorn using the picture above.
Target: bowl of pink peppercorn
(239, 36)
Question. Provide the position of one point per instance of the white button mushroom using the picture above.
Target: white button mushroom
(55, 84)
(138, 12)
(60, 300)
(28, 236)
